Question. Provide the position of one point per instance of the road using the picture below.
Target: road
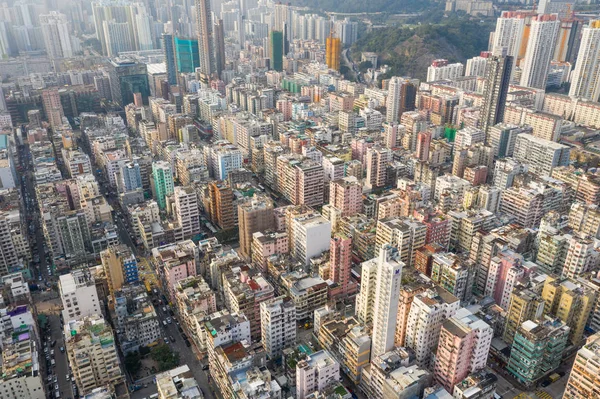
(61, 369)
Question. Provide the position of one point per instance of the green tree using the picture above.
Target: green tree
(165, 357)
(133, 362)
(363, 66)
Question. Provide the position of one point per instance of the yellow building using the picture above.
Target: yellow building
(333, 51)
(524, 305)
(570, 302)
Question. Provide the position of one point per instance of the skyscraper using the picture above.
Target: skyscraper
(387, 296)
(169, 51)
(57, 37)
(333, 50)
(340, 264)
(497, 79)
(163, 182)
(276, 46)
(509, 33)
(401, 98)
(540, 49)
(127, 77)
(586, 75)
(117, 37)
(220, 45)
(204, 26)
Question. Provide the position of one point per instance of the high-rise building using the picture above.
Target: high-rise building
(127, 77)
(220, 208)
(584, 380)
(111, 12)
(220, 45)
(57, 36)
(118, 37)
(315, 373)
(525, 304)
(79, 296)
(497, 79)
(537, 349)
(585, 79)
(540, 50)
(120, 267)
(333, 51)
(163, 182)
(377, 159)
(131, 177)
(340, 261)
(276, 47)
(509, 34)
(92, 351)
(21, 378)
(187, 211)
(542, 156)
(277, 325)
(569, 302)
(425, 317)
(254, 215)
(441, 70)
(168, 48)
(387, 296)
(346, 195)
(204, 28)
(402, 94)
(463, 348)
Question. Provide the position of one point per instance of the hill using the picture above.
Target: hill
(409, 50)
(360, 6)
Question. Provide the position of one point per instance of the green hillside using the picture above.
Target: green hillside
(409, 50)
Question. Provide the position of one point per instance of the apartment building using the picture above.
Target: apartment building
(315, 373)
(278, 325)
(79, 296)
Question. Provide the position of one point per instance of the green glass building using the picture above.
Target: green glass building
(187, 55)
(276, 44)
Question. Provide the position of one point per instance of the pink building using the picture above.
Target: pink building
(423, 143)
(340, 262)
(175, 262)
(267, 244)
(504, 272)
(359, 149)
(438, 227)
(463, 348)
(285, 107)
(346, 195)
(476, 175)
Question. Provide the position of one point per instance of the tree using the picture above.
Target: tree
(165, 357)
(133, 362)
(363, 66)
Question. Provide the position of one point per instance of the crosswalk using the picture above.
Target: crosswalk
(543, 395)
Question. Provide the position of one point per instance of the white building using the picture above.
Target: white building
(427, 312)
(441, 70)
(79, 296)
(541, 155)
(315, 373)
(56, 33)
(78, 163)
(277, 325)
(476, 66)
(585, 81)
(312, 235)
(387, 295)
(187, 211)
(468, 136)
(540, 49)
(450, 183)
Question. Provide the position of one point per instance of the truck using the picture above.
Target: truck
(554, 377)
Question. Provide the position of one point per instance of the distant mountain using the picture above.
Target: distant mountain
(410, 50)
(358, 6)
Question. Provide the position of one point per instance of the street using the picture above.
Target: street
(61, 369)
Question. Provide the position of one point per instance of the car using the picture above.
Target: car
(50, 378)
(187, 343)
(166, 340)
(68, 377)
(164, 323)
(545, 383)
(56, 386)
(52, 352)
(169, 320)
(204, 366)
(164, 309)
(46, 349)
(172, 338)
(180, 329)
(62, 349)
(53, 342)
